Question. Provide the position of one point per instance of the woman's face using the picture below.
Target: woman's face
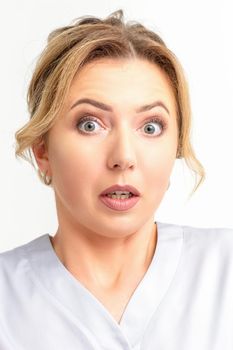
(115, 144)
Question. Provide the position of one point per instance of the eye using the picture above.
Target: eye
(156, 129)
(88, 124)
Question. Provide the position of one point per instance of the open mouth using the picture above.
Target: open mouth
(117, 195)
(120, 202)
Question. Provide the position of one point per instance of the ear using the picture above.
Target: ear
(40, 152)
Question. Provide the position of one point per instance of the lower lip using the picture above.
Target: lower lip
(120, 204)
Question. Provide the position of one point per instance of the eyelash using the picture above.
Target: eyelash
(156, 119)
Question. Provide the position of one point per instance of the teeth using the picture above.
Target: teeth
(120, 192)
(120, 195)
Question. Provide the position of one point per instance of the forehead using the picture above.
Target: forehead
(129, 81)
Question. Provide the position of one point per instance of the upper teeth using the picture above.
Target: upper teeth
(119, 192)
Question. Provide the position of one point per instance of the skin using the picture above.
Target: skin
(110, 251)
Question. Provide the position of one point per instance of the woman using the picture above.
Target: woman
(110, 114)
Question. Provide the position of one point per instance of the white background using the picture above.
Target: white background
(199, 33)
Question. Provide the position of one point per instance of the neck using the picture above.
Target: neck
(104, 262)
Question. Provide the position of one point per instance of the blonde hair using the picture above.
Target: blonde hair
(88, 38)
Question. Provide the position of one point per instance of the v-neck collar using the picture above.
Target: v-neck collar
(92, 314)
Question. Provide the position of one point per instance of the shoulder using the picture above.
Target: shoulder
(197, 233)
(211, 244)
(211, 236)
(216, 242)
(14, 261)
(215, 235)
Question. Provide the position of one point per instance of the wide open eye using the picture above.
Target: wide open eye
(155, 126)
(88, 125)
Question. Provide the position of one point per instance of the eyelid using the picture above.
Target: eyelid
(94, 116)
(90, 117)
(152, 119)
(85, 118)
(156, 117)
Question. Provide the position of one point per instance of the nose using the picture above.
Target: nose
(122, 153)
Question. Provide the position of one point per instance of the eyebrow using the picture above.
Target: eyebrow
(108, 108)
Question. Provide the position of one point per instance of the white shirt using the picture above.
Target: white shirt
(183, 302)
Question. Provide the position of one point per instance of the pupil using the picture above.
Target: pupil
(89, 126)
(150, 128)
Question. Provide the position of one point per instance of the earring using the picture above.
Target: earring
(47, 179)
(178, 154)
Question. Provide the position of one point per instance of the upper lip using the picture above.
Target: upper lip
(125, 188)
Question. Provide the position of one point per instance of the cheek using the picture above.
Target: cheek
(73, 165)
(159, 163)
(69, 157)
(157, 177)
(157, 180)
